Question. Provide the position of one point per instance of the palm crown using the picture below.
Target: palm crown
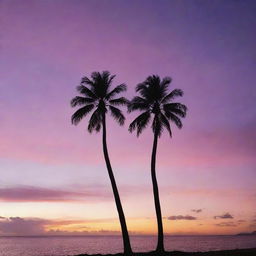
(97, 94)
(155, 100)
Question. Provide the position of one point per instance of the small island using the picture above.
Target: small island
(247, 234)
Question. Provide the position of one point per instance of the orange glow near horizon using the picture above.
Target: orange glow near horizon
(146, 227)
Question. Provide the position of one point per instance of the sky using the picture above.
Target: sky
(53, 178)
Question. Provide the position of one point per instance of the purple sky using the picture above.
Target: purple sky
(207, 47)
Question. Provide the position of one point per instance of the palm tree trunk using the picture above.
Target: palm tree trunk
(160, 243)
(126, 240)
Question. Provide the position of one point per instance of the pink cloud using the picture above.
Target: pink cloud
(224, 216)
(226, 224)
(19, 226)
(35, 194)
(181, 217)
(16, 226)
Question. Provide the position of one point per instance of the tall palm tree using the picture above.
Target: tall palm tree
(97, 95)
(156, 103)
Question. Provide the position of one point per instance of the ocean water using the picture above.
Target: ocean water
(63, 246)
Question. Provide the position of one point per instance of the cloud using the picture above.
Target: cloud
(36, 194)
(181, 217)
(197, 210)
(226, 224)
(224, 216)
(16, 226)
(70, 221)
(58, 232)
(253, 225)
(241, 221)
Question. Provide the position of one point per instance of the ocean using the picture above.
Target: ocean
(63, 246)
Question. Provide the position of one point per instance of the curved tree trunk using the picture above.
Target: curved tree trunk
(160, 243)
(126, 240)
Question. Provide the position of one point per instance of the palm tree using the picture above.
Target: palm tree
(156, 102)
(97, 95)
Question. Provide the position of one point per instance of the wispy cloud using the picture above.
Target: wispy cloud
(253, 225)
(224, 216)
(37, 194)
(226, 224)
(241, 221)
(197, 210)
(181, 217)
(81, 233)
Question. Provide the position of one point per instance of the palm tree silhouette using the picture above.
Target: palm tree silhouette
(155, 101)
(97, 94)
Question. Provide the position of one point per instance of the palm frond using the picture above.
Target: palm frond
(153, 80)
(95, 121)
(111, 79)
(107, 80)
(98, 127)
(173, 94)
(86, 80)
(175, 119)
(117, 114)
(119, 101)
(80, 113)
(166, 123)
(78, 101)
(105, 76)
(164, 84)
(165, 81)
(138, 103)
(176, 108)
(140, 123)
(142, 88)
(116, 90)
(96, 76)
(86, 91)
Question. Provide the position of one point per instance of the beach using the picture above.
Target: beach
(238, 252)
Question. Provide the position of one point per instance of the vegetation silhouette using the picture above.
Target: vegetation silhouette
(97, 94)
(236, 252)
(155, 101)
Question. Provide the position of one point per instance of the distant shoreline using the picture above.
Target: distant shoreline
(247, 234)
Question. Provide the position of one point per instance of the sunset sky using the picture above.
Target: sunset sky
(53, 178)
